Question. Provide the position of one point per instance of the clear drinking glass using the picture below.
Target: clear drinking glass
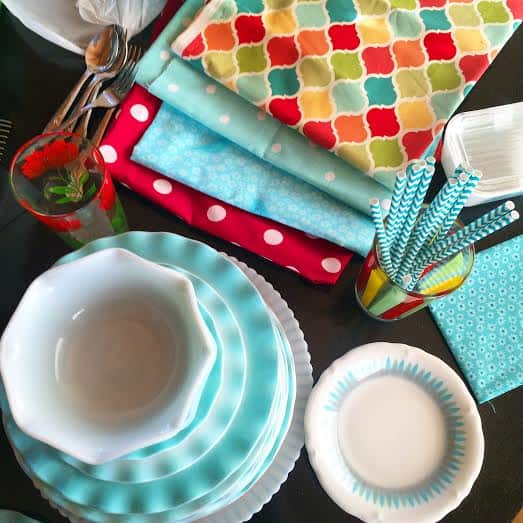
(383, 299)
(61, 179)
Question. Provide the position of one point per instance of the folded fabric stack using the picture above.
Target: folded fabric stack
(315, 259)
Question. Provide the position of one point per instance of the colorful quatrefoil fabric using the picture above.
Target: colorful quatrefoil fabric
(372, 80)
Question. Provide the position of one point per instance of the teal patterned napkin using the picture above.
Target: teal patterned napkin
(483, 321)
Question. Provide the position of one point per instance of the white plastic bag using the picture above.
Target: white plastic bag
(134, 15)
(55, 20)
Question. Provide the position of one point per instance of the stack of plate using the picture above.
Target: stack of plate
(248, 428)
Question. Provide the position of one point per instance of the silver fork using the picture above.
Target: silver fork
(135, 53)
(5, 129)
(111, 96)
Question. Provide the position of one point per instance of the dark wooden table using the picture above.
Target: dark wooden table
(34, 77)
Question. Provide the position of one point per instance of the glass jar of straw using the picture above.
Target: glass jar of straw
(383, 299)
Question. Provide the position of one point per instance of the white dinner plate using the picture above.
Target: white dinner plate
(393, 435)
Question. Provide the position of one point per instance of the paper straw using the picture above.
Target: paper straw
(482, 221)
(441, 273)
(411, 306)
(390, 297)
(408, 215)
(431, 160)
(447, 224)
(363, 277)
(377, 279)
(443, 286)
(429, 223)
(397, 194)
(383, 242)
(448, 248)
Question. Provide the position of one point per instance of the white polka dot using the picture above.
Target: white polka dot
(109, 153)
(290, 267)
(272, 237)
(216, 213)
(162, 186)
(139, 112)
(225, 119)
(312, 144)
(211, 88)
(385, 204)
(173, 88)
(276, 147)
(165, 55)
(329, 176)
(261, 115)
(332, 265)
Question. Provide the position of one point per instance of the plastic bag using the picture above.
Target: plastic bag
(134, 15)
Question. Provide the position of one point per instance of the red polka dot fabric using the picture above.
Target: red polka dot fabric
(315, 259)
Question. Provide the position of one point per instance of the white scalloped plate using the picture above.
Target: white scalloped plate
(393, 435)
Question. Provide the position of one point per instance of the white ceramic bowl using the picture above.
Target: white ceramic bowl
(105, 355)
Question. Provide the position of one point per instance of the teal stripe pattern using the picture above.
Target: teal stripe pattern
(429, 223)
(407, 216)
(462, 198)
(449, 246)
(444, 476)
(393, 222)
(377, 218)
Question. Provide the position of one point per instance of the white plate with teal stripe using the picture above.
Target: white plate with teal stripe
(393, 435)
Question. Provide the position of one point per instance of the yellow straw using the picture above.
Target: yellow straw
(444, 286)
(376, 280)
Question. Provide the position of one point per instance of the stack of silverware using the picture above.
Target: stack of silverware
(109, 59)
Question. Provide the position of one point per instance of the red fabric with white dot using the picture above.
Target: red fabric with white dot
(315, 259)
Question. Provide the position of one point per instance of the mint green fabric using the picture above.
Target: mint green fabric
(483, 321)
(189, 90)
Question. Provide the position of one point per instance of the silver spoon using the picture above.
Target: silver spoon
(101, 53)
(94, 87)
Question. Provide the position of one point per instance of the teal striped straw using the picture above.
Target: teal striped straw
(393, 222)
(448, 247)
(407, 214)
(430, 222)
(473, 180)
(471, 228)
(383, 242)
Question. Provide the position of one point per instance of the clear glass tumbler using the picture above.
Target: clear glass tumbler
(61, 179)
(383, 299)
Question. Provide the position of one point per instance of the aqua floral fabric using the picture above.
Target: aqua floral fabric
(178, 147)
(483, 321)
(176, 82)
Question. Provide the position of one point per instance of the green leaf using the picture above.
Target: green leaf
(84, 177)
(65, 199)
(90, 192)
(58, 189)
